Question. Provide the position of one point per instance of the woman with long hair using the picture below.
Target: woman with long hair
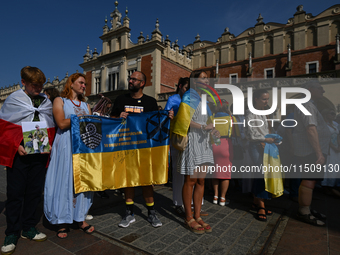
(198, 155)
(61, 205)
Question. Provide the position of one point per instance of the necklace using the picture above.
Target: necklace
(75, 104)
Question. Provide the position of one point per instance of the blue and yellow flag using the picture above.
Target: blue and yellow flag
(226, 129)
(271, 160)
(187, 108)
(116, 153)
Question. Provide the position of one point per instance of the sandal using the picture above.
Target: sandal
(318, 215)
(206, 226)
(63, 231)
(260, 216)
(255, 207)
(224, 201)
(197, 229)
(87, 229)
(310, 219)
(215, 200)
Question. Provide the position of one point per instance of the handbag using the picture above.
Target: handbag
(179, 142)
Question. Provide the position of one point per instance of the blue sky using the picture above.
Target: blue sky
(53, 35)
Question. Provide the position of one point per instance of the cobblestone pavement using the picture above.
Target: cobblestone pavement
(235, 230)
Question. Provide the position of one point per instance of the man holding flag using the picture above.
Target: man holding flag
(25, 173)
(137, 102)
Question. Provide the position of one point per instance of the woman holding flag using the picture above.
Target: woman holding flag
(197, 155)
(61, 205)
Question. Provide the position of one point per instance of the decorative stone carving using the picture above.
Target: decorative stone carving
(290, 21)
(251, 32)
(336, 10)
(202, 45)
(266, 28)
(308, 16)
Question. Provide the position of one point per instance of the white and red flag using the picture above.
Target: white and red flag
(18, 108)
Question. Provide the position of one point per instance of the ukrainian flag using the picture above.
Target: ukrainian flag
(116, 153)
(271, 159)
(226, 129)
(187, 108)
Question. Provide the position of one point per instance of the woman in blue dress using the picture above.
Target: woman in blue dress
(61, 205)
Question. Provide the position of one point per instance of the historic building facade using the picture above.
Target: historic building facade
(6, 91)
(305, 47)
(162, 62)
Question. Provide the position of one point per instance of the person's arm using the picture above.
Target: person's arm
(59, 114)
(313, 138)
(88, 107)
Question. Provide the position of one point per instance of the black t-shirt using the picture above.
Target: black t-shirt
(128, 104)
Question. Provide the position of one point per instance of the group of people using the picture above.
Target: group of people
(206, 145)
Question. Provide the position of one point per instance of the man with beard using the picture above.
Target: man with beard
(137, 102)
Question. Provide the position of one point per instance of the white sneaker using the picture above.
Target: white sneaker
(89, 217)
(33, 234)
(9, 244)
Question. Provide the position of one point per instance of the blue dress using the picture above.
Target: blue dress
(61, 205)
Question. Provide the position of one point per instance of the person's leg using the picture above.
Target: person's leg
(224, 189)
(187, 192)
(149, 200)
(198, 196)
(129, 196)
(16, 184)
(148, 197)
(305, 196)
(36, 145)
(215, 183)
(33, 192)
(177, 180)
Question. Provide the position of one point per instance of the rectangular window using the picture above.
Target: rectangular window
(131, 71)
(233, 78)
(269, 73)
(312, 67)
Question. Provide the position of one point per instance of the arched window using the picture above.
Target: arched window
(312, 37)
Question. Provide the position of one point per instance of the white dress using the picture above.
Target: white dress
(199, 149)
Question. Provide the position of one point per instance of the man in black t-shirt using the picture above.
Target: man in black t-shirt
(137, 102)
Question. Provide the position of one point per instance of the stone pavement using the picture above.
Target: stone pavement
(235, 230)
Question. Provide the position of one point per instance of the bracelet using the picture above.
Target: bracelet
(203, 127)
